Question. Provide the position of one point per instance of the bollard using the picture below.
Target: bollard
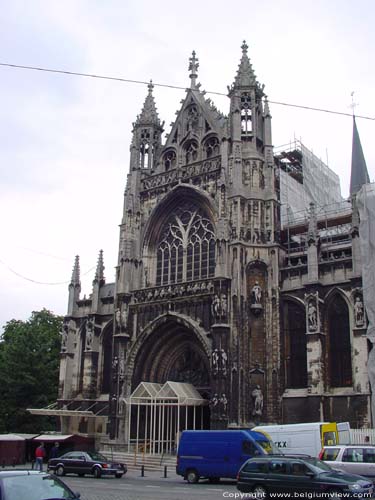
(3, 464)
(165, 471)
(143, 471)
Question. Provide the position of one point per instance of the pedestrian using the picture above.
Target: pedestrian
(367, 439)
(54, 451)
(40, 453)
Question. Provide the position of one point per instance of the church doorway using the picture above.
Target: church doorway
(173, 352)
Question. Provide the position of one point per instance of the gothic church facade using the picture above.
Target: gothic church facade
(263, 319)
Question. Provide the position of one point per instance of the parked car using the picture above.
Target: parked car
(353, 458)
(299, 475)
(33, 485)
(84, 462)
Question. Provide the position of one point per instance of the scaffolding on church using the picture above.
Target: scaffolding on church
(159, 413)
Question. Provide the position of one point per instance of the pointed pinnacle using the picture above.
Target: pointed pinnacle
(99, 275)
(76, 272)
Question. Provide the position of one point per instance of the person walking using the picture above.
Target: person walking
(54, 451)
(40, 453)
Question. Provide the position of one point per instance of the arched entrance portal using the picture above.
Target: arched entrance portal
(174, 351)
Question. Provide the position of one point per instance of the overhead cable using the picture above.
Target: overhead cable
(176, 87)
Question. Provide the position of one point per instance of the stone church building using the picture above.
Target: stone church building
(238, 276)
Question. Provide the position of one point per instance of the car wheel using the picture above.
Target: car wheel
(192, 476)
(60, 471)
(259, 491)
(214, 480)
(97, 472)
(118, 475)
(334, 493)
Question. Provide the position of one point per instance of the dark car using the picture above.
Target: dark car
(33, 485)
(84, 462)
(299, 475)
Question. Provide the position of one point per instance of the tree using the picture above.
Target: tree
(29, 371)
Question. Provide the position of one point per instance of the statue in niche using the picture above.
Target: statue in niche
(215, 360)
(64, 337)
(256, 294)
(312, 316)
(89, 334)
(359, 312)
(118, 318)
(223, 361)
(257, 396)
(224, 403)
(124, 315)
(214, 401)
(219, 306)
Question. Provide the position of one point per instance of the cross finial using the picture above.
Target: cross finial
(150, 87)
(193, 67)
(244, 47)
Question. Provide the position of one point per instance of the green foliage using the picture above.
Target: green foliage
(29, 371)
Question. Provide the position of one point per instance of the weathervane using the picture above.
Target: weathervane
(353, 105)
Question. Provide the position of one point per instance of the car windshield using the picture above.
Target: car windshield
(35, 487)
(97, 456)
(269, 447)
(318, 466)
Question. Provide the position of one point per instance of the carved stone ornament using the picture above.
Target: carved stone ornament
(219, 307)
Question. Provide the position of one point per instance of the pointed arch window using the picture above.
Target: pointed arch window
(246, 114)
(191, 152)
(295, 347)
(339, 358)
(186, 249)
(212, 147)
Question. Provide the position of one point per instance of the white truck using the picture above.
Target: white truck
(308, 438)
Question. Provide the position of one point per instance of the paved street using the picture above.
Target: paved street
(134, 487)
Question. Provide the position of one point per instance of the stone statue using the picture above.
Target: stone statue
(214, 401)
(64, 337)
(89, 335)
(118, 318)
(224, 402)
(124, 316)
(223, 361)
(256, 294)
(358, 312)
(215, 360)
(312, 316)
(257, 396)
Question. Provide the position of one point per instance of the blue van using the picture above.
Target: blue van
(216, 454)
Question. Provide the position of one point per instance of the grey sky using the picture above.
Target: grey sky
(65, 140)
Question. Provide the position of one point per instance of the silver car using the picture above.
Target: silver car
(352, 458)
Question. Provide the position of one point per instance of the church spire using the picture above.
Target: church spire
(99, 275)
(193, 68)
(245, 74)
(359, 174)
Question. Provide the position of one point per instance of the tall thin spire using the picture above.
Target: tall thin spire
(193, 68)
(245, 74)
(149, 114)
(99, 275)
(76, 280)
(359, 174)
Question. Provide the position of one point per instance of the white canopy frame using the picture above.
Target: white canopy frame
(165, 410)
